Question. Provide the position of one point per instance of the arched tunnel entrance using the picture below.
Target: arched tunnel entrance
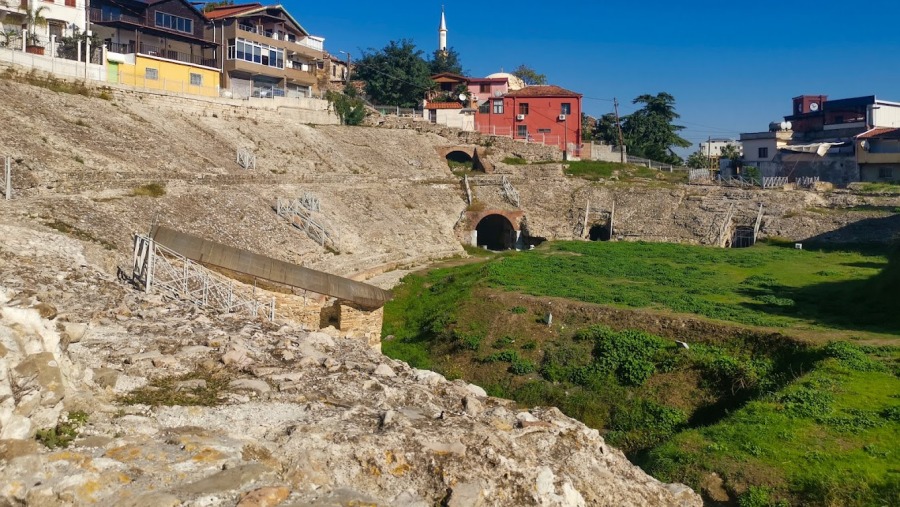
(496, 232)
(459, 160)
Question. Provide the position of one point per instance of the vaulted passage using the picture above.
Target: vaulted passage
(495, 232)
(459, 157)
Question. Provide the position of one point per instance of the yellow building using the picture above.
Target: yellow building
(159, 45)
(153, 73)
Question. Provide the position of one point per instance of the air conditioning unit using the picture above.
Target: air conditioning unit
(520, 117)
(562, 117)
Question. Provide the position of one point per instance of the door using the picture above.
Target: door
(112, 72)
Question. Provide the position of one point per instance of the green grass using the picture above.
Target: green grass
(515, 161)
(888, 187)
(832, 437)
(764, 285)
(780, 420)
(595, 170)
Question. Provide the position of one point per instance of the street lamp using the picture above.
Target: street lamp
(348, 64)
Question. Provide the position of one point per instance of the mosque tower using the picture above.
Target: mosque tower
(442, 32)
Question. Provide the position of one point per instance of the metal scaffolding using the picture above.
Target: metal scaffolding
(299, 213)
(246, 158)
(156, 267)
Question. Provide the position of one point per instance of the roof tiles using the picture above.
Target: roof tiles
(543, 91)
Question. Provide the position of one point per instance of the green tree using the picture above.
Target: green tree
(529, 75)
(650, 132)
(394, 75)
(445, 61)
(732, 153)
(34, 18)
(220, 3)
(68, 45)
(697, 160)
(605, 130)
(348, 105)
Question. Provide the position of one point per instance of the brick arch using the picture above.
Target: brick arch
(473, 218)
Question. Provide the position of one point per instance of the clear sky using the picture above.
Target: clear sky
(732, 66)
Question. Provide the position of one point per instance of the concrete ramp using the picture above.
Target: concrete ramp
(266, 268)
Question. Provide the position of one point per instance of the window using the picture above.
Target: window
(255, 52)
(523, 108)
(885, 173)
(763, 153)
(484, 88)
(56, 28)
(196, 79)
(521, 131)
(176, 23)
(151, 73)
(498, 106)
(484, 108)
(543, 131)
(70, 3)
(565, 108)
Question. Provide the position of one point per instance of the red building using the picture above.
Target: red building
(544, 114)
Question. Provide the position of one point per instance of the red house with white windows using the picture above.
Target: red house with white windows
(543, 114)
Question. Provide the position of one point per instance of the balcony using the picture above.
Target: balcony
(99, 16)
(146, 49)
(290, 39)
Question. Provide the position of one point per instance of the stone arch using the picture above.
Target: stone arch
(496, 232)
(465, 153)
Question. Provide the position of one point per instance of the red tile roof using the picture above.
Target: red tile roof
(543, 91)
(444, 105)
(880, 133)
(231, 10)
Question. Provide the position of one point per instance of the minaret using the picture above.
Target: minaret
(442, 32)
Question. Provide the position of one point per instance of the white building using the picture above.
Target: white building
(62, 17)
(713, 147)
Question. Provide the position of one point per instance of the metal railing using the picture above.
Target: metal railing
(169, 54)
(316, 227)
(774, 181)
(156, 267)
(98, 16)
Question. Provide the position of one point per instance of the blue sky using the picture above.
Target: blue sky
(732, 66)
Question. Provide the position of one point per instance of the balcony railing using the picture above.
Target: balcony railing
(125, 49)
(146, 49)
(98, 16)
(305, 42)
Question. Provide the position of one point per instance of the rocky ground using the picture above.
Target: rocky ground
(146, 401)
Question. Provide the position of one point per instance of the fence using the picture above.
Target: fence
(807, 181)
(774, 181)
(652, 164)
(399, 111)
(701, 174)
(54, 65)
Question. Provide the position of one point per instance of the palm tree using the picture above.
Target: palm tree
(34, 18)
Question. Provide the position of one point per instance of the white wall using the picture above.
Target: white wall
(885, 115)
(714, 148)
(456, 119)
(59, 66)
(752, 146)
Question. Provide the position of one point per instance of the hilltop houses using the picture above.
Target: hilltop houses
(240, 51)
(840, 141)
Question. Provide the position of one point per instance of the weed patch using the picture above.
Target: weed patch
(65, 431)
(149, 190)
(207, 390)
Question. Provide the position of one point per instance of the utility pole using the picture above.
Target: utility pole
(619, 129)
(709, 152)
(8, 178)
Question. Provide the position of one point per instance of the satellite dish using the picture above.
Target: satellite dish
(462, 96)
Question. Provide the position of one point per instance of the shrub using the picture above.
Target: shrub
(521, 366)
(807, 402)
(149, 190)
(518, 310)
(506, 356)
(851, 356)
